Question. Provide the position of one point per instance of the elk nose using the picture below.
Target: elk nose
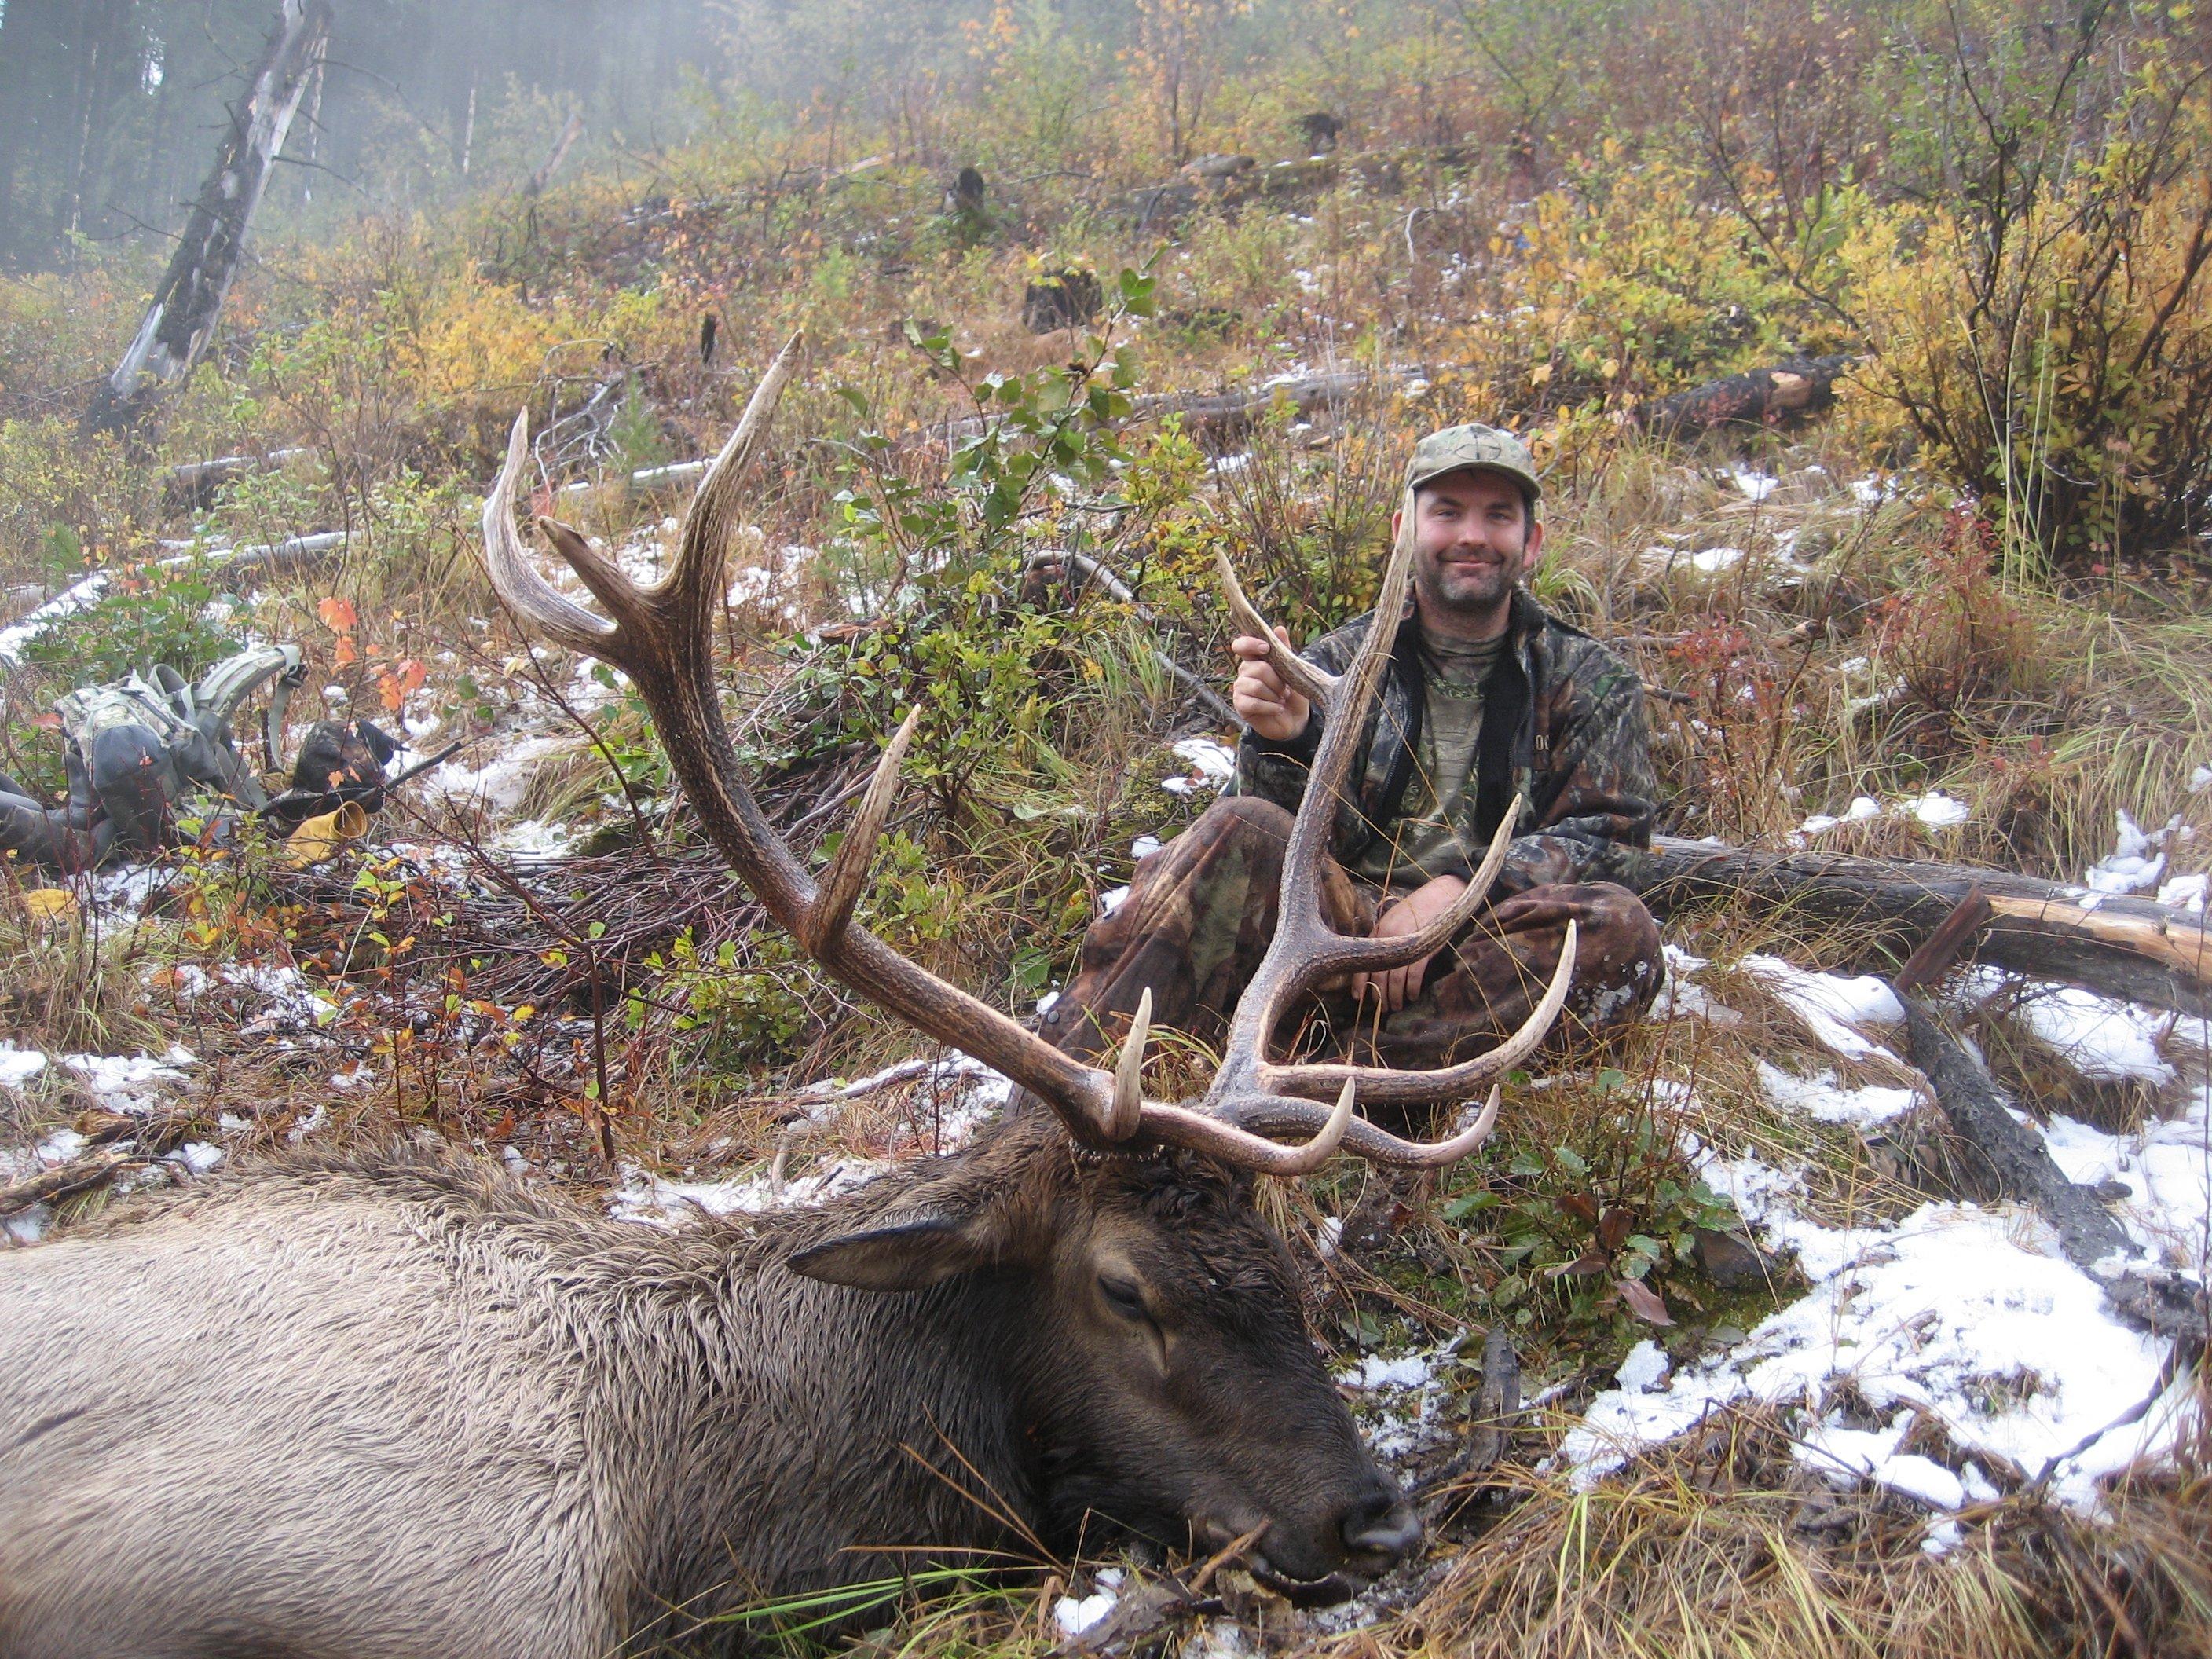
(1381, 1530)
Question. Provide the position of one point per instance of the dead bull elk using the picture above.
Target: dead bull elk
(407, 1406)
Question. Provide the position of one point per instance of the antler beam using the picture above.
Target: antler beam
(662, 637)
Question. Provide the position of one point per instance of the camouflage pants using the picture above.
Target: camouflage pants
(1201, 910)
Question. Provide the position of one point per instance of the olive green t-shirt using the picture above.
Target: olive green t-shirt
(1421, 844)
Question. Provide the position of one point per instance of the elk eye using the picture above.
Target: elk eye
(1123, 1296)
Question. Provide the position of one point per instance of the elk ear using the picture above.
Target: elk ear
(907, 1255)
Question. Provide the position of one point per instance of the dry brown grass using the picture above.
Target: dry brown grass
(1719, 1544)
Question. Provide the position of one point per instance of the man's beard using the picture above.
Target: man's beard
(1465, 586)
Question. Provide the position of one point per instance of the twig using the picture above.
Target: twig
(1092, 570)
(65, 1181)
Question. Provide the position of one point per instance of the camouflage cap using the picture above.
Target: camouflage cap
(1487, 447)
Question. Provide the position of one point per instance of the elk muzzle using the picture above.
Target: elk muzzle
(1373, 1532)
(1380, 1531)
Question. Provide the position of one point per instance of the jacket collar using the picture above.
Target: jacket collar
(1525, 619)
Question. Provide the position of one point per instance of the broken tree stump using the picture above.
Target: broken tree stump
(188, 302)
(2129, 948)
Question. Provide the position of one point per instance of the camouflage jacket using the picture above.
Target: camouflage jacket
(1562, 728)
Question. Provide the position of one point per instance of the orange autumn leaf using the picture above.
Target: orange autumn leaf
(338, 614)
(396, 683)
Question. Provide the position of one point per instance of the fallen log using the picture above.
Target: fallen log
(1218, 416)
(2129, 948)
(1782, 395)
(196, 483)
(2020, 1167)
(1385, 171)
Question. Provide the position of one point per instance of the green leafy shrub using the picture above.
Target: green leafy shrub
(1590, 1226)
(150, 613)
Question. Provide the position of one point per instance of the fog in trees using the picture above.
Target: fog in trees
(110, 110)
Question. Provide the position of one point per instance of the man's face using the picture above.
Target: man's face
(1472, 538)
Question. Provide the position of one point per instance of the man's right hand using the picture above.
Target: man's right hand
(1261, 698)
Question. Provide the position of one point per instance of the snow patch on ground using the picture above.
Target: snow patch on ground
(1075, 1614)
(1679, 998)
(1834, 1008)
(1933, 811)
(1937, 810)
(277, 997)
(1948, 1313)
(496, 785)
(1861, 808)
(978, 1097)
(1401, 1397)
(2165, 1167)
(1957, 1314)
(1830, 1102)
(19, 1066)
(1212, 765)
(2185, 893)
(645, 1196)
(2136, 862)
(135, 1084)
(2105, 1040)
(1644, 1369)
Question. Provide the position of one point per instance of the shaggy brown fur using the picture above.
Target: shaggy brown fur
(406, 1406)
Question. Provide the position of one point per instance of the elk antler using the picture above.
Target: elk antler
(1259, 1094)
(662, 637)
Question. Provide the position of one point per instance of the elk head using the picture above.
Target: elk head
(1169, 1376)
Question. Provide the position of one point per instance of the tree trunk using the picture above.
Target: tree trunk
(2129, 948)
(186, 307)
(571, 130)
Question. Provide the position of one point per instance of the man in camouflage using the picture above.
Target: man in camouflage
(1488, 699)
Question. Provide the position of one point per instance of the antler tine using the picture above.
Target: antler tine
(1129, 1113)
(849, 872)
(516, 580)
(1317, 685)
(1280, 1114)
(1396, 1088)
(1368, 956)
(695, 580)
(1218, 1138)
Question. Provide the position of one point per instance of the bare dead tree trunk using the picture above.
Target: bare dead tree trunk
(535, 187)
(181, 319)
